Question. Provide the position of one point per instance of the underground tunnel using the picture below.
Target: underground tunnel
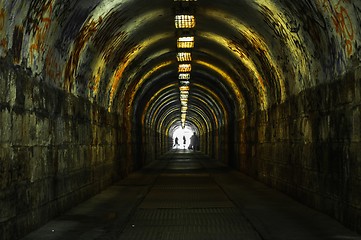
(95, 90)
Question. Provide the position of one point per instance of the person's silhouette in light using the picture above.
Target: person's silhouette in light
(194, 142)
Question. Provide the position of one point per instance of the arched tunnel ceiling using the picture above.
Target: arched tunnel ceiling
(121, 54)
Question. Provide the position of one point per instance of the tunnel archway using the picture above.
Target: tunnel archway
(90, 92)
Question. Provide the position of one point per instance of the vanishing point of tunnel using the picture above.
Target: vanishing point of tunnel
(94, 92)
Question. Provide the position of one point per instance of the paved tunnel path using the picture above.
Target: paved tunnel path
(187, 196)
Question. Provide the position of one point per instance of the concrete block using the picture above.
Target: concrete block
(306, 130)
(324, 126)
(344, 92)
(17, 129)
(22, 198)
(62, 160)
(348, 93)
(38, 97)
(20, 164)
(43, 132)
(28, 95)
(69, 105)
(59, 131)
(324, 98)
(4, 90)
(355, 192)
(40, 165)
(5, 126)
(11, 88)
(5, 159)
(357, 87)
(356, 124)
(8, 204)
(355, 162)
(28, 129)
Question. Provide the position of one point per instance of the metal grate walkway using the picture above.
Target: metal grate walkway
(186, 203)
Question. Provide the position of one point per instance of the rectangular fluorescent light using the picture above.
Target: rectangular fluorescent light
(184, 88)
(185, 67)
(184, 97)
(184, 83)
(184, 57)
(184, 76)
(185, 21)
(185, 42)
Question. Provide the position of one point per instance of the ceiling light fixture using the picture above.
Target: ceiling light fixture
(184, 68)
(185, 42)
(184, 21)
(184, 57)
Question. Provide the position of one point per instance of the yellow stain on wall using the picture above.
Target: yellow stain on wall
(247, 62)
(3, 38)
(161, 122)
(98, 71)
(214, 115)
(117, 76)
(298, 55)
(153, 99)
(102, 12)
(147, 76)
(40, 33)
(241, 101)
(78, 47)
(106, 6)
(215, 97)
(258, 43)
(140, 83)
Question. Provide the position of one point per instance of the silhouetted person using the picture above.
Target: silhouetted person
(184, 141)
(194, 142)
(176, 142)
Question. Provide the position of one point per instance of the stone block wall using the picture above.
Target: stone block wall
(310, 148)
(56, 150)
(151, 145)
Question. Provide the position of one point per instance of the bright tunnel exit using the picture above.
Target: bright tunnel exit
(181, 137)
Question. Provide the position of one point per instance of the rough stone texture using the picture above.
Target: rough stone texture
(56, 150)
(309, 148)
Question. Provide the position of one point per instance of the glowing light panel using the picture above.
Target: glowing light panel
(185, 42)
(184, 88)
(184, 76)
(184, 57)
(185, 101)
(185, 67)
(185, 21)
(184, 96)
(184, 83)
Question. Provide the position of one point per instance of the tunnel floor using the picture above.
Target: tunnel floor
(185, 195)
